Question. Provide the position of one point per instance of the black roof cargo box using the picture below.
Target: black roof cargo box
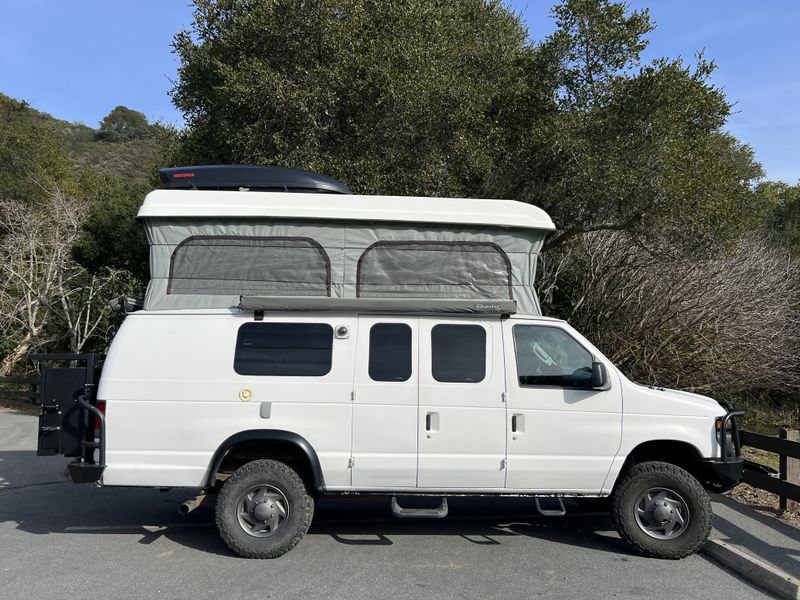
(249, 177)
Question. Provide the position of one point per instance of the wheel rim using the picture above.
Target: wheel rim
(262, 511)
(661, 513)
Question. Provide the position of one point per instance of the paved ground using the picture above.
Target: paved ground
(762, 536)
(58, 539)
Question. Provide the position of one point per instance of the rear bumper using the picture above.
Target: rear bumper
(83, 472)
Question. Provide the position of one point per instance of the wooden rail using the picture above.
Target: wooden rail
(24, 387)
(787, 447)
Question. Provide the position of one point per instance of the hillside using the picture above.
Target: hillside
(133, 159)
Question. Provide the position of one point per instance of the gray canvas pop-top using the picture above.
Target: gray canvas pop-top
(210, 247)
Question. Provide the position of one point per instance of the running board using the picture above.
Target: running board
(549, 512)
(440, 512)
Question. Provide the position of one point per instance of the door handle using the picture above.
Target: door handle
(517, 424)
(431, 423)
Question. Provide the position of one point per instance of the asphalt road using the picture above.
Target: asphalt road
(61, 540)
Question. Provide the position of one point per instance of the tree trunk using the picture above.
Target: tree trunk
(18, 354)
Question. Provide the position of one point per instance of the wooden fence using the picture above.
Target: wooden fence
(24, 387)
(787, 447)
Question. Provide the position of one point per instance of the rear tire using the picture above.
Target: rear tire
(263, 510)
(661, 510)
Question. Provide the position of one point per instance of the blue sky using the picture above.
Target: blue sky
(77, 59)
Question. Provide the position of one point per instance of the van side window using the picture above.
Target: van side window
(390, 352)
(288, 349)
(458, 353)
(550, 356)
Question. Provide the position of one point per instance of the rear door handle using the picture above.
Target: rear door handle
(517, 423)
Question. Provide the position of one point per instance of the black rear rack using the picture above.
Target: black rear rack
(68, 406)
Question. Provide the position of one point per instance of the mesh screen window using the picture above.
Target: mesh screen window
(427, 269)
(250, 266)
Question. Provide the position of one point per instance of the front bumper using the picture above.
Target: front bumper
(722, 475)
(725, 472)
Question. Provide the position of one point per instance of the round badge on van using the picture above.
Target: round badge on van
(245, 395)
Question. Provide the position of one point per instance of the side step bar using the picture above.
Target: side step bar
(551, 512)
(440, 512)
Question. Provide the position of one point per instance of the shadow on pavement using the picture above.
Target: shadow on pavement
(762, 535)
(36, 497)
(482, 520)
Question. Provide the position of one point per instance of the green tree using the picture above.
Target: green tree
(631, 147)
(111, 237)
(783, 222)
(450, 98)
(122, 124)
(406, 97)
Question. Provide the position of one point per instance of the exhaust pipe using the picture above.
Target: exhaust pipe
(190, 505)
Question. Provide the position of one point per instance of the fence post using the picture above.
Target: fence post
(34, 390)
(789, 467)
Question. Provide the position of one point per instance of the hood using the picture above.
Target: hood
(678, 402)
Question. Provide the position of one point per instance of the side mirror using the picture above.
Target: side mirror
(599, 376)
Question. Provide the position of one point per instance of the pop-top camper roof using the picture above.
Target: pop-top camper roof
(399, 209)
(210, 247)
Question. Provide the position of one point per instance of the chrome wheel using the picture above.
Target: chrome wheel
(262, 511)
(661, 513)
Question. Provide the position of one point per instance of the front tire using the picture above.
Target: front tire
(263, 510)
(661, 510)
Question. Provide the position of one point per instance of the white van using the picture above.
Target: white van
(308, 342)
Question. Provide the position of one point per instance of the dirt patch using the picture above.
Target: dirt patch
(20, 406)
(766, 503)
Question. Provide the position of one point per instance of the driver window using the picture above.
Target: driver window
(549, 356)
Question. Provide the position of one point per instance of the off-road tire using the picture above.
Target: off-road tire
(648, 475)
(300, 513)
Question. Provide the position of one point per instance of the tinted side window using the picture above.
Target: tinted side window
(459, 353)
(550, 356)
(390, 352)
(294, 349)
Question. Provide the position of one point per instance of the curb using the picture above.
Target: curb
(755, 570)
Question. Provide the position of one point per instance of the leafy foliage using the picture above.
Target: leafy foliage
(31, 154)
(122, 123)
(449, 98)
(783, 222)
(630, 147)
(392, 97)
(111, 237)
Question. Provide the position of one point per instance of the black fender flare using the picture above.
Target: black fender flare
(265, 435)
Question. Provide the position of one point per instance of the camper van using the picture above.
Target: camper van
(299, 341)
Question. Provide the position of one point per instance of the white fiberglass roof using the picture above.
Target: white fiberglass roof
(213, 203)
